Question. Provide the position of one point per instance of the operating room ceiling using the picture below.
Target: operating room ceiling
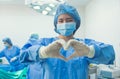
(22, 2)
(46, 8)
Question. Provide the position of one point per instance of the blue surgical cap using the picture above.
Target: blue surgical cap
(67, 9)
(7, 40)
(34, 36)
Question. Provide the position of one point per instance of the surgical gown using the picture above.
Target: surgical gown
(15, 65)
(76, 68)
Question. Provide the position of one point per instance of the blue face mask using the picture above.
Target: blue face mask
(66, 29)
(6, 45)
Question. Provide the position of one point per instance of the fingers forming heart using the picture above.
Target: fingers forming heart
(64, 44)
(79, 47)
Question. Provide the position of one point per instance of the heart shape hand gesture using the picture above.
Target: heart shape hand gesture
(52, 50)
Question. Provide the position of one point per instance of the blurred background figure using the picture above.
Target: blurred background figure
(11, 53)
(33, 39)
(35, 67)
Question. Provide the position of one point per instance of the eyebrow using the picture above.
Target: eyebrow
(66, 18)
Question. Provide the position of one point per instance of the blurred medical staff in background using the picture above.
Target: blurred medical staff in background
(11, 53)
(64, 56)
(33, 40)
(34, 67)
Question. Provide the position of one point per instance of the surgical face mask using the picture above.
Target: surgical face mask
(66, 29)
(6, 45)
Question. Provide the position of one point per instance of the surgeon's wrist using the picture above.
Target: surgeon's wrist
(91, 52)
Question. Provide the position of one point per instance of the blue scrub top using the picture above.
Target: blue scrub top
(14, 51)
(55, 68)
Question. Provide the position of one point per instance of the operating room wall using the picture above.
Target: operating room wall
(102, 19)
(19, 21)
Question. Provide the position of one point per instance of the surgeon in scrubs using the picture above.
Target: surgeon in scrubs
(33, 40)
(11, 53)
(64, 56)
(34, 67)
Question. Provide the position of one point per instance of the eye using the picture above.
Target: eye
(69, 20)
(60, 21)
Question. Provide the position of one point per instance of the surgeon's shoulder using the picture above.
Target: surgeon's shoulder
(96, 42)
(16, 46)
(90, 41)
(87, 40)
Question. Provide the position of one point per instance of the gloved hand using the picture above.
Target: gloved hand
(80, 49)
(51, 51)
(64, 44)
(13, 59)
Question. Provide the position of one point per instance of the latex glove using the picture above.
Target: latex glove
(64, 44)
(51, 51)
(13, 59)
(80, 49)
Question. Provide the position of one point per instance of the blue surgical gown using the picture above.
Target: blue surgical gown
(15, 65)
(30, 43)
(55, 68)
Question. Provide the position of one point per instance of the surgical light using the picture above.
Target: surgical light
(45, 7)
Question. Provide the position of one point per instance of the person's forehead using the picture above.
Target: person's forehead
(65, 16)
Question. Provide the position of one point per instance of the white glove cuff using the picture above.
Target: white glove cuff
(42, 53)
(92, 52)
(15, 57)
